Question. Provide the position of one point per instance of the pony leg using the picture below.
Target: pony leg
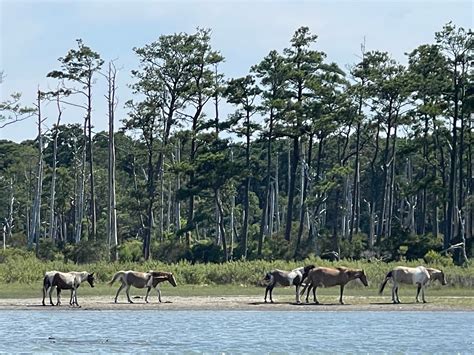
(266, 292)
(147, 292)
(118, 291)
(423, 293)
(395, 298)
(44, 296)
(58, 296)
(298, 294)
(71, 299)
(271, 294)
(340, 297)
(128, 294)
(307, 292)
(314, 295)
(75, 298)
(418, 288)
(159, 293)
(50, 291)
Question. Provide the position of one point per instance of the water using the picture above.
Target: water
(236, 332)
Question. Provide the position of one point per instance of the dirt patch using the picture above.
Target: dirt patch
(241, 303)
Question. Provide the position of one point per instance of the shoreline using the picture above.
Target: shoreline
(225, 303)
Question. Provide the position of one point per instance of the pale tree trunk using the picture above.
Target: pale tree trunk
(232, 208)
(392, 183)
(178, 186)
(305, 171)
(276, 198)
(53, 173)
(79, 203)
(169, 207)
(36, 215)
(220, 211)
(112, 204)
(9, 220)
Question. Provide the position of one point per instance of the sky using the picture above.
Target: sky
(35, 33)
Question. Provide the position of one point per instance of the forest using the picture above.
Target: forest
(298, 158)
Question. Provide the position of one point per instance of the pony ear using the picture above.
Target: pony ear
(92, 274)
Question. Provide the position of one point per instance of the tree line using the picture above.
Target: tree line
(374, 160)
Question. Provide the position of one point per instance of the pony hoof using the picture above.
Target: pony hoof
(425, 302)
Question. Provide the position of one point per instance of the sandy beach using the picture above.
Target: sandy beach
(231, 303)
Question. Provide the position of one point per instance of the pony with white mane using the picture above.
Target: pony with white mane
(287, 278)
(67, 281)
(419, 276)
(150, 279)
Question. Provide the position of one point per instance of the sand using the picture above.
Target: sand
(230, 303)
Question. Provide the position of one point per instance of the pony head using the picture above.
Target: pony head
(91, 279)
(306, 270)
(362, 277)
(441, 278)
(172, 279)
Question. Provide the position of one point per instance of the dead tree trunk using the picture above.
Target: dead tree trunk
(112, 204)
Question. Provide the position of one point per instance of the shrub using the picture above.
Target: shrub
(130, 251)
(207, 252)
(86, 252)
(433, 257)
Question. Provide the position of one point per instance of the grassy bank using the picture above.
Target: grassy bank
(22, 268)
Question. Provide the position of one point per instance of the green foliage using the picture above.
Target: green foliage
(130, 251)
(23, 267)
(207, 252)
(48, 250)
(170, 251)
(434, 258)
(85, 252)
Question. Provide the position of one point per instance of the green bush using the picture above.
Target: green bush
(434, 258)
(130, 251)
(86, 252)
(170, 251)
(207, 252)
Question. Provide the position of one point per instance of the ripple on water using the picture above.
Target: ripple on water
(236, 332)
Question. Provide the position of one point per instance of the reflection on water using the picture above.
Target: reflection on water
(236, 332)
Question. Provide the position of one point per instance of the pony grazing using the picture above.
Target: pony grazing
(70, 281)
(287, 278)
(418, 276)
(328, 277)
(150, 279)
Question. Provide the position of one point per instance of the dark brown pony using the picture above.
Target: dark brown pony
(328, 277)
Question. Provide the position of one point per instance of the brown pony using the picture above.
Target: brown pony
(327, 277)
(141, 280)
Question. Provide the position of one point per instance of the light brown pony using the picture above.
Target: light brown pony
(419, 276)
(137, 279)
(328, 277)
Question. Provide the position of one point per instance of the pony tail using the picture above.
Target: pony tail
(116, 276)
(382, 286)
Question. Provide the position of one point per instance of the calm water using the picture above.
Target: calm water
(236, 332)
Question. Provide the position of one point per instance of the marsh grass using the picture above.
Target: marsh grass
(21, 274)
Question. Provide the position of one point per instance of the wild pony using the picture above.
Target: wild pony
(150, 279)
(47, 285)
(418, 276)
(70, 281)
(328, 277)
(287, 278)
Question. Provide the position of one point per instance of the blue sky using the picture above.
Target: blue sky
(35, 33)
